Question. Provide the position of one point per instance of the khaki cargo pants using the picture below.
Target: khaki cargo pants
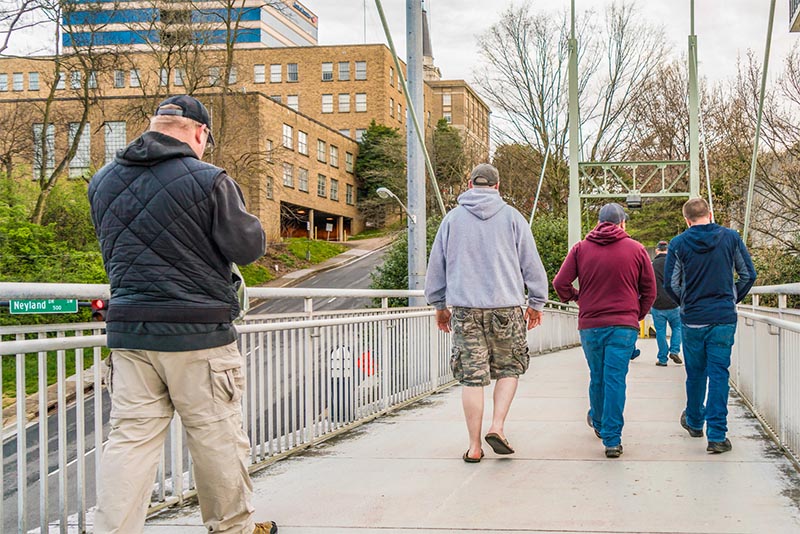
(205, 387)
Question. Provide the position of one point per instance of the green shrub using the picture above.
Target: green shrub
(551, 235)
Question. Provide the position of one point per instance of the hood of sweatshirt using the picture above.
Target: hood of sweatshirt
(151, 148)
(482, 202)
(703, 237)
(606, 233)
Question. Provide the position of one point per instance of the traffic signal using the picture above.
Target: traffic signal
(99, 309)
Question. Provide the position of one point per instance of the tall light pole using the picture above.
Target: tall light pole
(415, 162)
(574, 202)
(694, 113)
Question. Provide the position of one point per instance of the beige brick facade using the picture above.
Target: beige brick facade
(328, 95)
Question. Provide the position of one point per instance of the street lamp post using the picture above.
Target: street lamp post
(385, 192)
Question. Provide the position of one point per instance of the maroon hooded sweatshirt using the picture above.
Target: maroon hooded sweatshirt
(617, 283)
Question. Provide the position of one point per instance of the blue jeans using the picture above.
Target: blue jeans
(608, 353)
(660, 320)
(707, 353)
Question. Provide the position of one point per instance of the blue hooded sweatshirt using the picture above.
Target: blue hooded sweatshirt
(484, 256)
(699, 274)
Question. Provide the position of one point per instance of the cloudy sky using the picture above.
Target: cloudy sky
(724, 28)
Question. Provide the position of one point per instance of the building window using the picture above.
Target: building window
(33, 81)
(259, 73)
(135, 81)
(79, 164)
(61, 82)
(291, 72)
(213, 76)
(447, 99)
(292, 101)
(92, 80)
(275, 73)
(18, 80)
(334, 189)
(327, 72)
(270, 186)
(116, 137)
(399, 112)
(302, 180)
(75, 80)
(448, 117)
(232, 76)
(288, 175)
(276, 98)
(349, 194)
(327, 103)
(321, 152)
(361, 102)
(345, 133)
(302, 142)
(179, 76)
(321, 185)
(344, 71)
(348, 161)
(163, 77)
(334, 161)
(361, 70)
(391, 107)
(391, 76)
(344, 102)
(3, 82)
(288, 134)
(269, 149)
(49, 148)
(360, 134)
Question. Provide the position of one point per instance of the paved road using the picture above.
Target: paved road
(355, 275)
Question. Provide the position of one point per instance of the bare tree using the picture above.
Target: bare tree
(524, 75)
(73, 84)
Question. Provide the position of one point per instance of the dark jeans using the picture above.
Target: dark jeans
(608, 353)
(707, 353)
(660, 320)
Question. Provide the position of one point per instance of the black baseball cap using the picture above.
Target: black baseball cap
(613, 213)
(191, 108)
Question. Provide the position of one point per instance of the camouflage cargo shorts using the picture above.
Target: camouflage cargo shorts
(488, 344)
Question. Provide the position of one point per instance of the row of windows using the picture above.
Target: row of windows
(115, 134)
(325, 153)
(132, 77)
(322, 184)
(343, 103)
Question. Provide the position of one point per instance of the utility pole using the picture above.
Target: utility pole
(574, 202)
(694, 114)
(415, 162)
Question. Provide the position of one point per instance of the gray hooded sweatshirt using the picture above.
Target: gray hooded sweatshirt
(484, 256)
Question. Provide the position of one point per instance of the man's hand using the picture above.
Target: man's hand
(533, 317)
(443, 320)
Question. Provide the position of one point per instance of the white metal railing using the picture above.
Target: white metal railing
(765, 365)
(309, 376)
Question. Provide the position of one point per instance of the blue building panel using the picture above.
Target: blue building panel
(115, 16)
(109, 38)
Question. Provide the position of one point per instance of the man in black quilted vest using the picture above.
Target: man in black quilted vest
(169, 227)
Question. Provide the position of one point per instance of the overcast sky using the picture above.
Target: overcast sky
(724, 28)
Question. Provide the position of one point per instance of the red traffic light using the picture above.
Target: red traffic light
(99, 309)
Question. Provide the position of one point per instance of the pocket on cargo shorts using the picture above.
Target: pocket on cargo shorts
(108, 373)
(227, 379)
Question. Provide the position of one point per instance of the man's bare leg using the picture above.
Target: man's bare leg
(472, 401)
(504, 390)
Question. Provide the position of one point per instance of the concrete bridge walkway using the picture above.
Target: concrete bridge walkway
(403, 474)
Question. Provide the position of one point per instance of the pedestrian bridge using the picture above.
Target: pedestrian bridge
(356, 427)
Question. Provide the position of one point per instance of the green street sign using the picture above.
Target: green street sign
(43, 306)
